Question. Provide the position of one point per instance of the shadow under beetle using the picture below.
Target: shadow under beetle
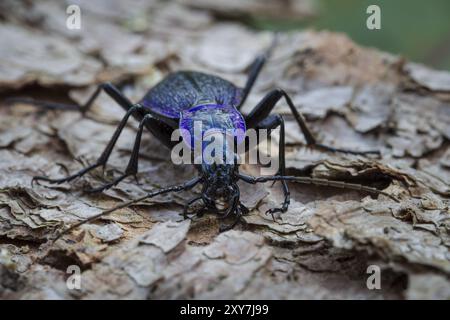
(184, 97)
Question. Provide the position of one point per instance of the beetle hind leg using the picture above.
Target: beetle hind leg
(68, 178)
(109, 88)
(268, 103)
(255, 69)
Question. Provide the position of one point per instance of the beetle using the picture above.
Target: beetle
(186, 96)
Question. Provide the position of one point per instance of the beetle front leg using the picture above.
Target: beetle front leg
(240, 211)
(187, 206)
(267, 104)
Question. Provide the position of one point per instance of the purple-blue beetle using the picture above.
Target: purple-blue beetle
(185, 97)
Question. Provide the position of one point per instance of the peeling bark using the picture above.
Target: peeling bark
(353, 97)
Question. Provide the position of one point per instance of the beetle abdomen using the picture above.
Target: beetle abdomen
(184, 89)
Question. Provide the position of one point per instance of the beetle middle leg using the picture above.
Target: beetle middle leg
(159, 129)
(268, 103)
(102, 160)
(132, 167)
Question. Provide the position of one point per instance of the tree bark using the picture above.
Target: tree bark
(328, 244)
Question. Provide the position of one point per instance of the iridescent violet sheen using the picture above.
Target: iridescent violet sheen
(213, 118)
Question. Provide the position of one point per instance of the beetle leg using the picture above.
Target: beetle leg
(272, 122)
(255, 69)
(225, 227)
(187, 205)
(240, 211)
(267, 104)
(101, 161)
(132, 167)
(109, 88)
(244, 209)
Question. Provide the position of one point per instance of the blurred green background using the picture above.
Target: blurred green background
(416, 29)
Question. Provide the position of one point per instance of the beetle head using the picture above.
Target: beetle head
(220, 191)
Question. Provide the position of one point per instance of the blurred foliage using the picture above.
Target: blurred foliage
(419, 30)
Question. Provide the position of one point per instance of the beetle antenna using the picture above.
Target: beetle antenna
(185, 186)
(317, 182)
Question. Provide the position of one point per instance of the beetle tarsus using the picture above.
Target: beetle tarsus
(280, 210)
(65, 179)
